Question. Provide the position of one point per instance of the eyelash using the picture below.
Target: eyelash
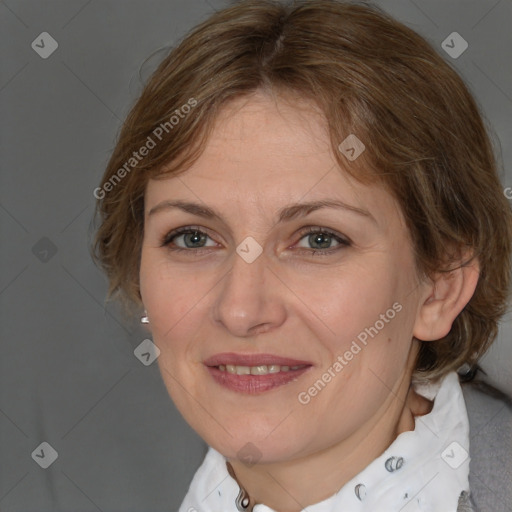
(169, 237)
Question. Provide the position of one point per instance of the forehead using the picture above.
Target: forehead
(267, 151)
(290, 125)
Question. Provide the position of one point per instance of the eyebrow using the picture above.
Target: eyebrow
(289, 212)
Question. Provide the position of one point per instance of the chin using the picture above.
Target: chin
(251, 447)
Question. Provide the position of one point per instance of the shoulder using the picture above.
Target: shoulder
(490, 445)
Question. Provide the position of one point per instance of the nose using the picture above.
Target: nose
(250, 298)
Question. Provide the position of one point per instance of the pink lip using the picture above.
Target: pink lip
(254, 384)
(252, 360)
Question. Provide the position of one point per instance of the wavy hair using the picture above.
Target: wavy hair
(370, 75)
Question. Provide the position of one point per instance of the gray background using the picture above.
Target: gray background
(68, 375)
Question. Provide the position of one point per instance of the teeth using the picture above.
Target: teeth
(243, 370)
(257, 370)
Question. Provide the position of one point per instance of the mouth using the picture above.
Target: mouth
(263, 369)
(254, 373)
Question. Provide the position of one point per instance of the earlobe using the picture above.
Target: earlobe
(446, 296)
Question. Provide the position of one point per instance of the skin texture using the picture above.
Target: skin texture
(264, 154)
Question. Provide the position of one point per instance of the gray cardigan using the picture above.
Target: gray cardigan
(490, 449)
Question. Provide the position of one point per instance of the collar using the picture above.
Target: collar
(424, 470)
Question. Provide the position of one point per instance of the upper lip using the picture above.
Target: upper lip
(252, 360)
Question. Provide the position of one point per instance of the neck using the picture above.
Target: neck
(293, 485)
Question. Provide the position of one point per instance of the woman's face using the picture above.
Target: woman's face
(255, 289)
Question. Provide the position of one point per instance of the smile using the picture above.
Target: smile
(258, 370)
(254, 373)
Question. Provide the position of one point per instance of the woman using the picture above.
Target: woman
(305, 204)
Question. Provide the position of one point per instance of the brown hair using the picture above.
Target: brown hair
(371, 76)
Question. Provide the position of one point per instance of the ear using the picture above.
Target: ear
(445, 297)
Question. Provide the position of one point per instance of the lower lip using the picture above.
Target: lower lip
(254, 384)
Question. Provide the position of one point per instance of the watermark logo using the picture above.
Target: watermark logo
(146, 352)
(44, 45)
(249, 249)
(45, 455)
(454, 45)
(454, 455)
(44, 249)
(249, 454)
(351, 147)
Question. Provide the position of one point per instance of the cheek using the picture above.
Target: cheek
(369, 322)
(167, 294)
(349, 300)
